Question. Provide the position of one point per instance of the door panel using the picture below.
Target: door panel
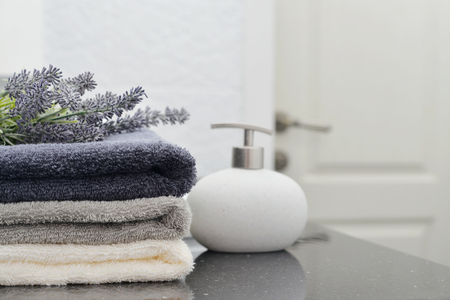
(375, 71)
(410, 234)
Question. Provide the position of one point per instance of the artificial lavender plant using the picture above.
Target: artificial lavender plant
(42, 107)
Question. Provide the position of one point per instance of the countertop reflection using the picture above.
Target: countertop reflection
(275, 275)
(112, 291)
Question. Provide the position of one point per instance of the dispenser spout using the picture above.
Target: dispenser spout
(248, 137)
(248, 156)
(248, 130)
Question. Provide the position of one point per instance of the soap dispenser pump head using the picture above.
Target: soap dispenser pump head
(247, 156)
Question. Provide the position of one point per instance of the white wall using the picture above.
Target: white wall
(21, 33)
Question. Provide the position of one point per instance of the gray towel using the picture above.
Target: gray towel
(94, 222)
(125, 166)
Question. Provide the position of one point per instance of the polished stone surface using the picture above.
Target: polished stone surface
(340, 267)
(328, 265)
(322, 265)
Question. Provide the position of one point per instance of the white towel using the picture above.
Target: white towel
(50, 264)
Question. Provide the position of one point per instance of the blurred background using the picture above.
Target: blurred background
(376, 72)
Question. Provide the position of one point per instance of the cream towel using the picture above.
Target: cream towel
(48, 264)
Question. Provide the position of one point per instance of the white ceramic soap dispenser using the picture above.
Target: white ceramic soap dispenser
(247, 208)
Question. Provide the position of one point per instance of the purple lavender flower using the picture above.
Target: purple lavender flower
(52, 75)
(22, 81)
(36, 99)
(68, 97)
(17, 83)
(83, 82)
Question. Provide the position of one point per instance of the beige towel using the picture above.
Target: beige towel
(50, 264)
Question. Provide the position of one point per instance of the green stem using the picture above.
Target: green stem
(78, 113)
(49, 115)
(5, 118)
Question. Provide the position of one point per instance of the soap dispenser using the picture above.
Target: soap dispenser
(247, 208)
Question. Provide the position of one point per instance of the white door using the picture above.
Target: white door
(379, 72)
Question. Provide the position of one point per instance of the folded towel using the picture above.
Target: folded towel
(46, 264)
(94, 222)
(118, 291)
(125, 166)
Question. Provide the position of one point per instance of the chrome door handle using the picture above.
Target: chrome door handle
(283, 121)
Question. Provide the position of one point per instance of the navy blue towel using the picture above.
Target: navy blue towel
(123, 167)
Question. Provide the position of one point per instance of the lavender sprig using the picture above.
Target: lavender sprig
(95, 110)
(60, 133)
(41, 107)
(146, 118)
(17, 84)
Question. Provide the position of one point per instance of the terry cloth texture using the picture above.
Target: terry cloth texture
(46, 264)
(125, 166)
(118, 291)
(94, 222)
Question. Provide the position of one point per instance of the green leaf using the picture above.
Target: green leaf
(5, 139)
(9, 103)
(16, 137)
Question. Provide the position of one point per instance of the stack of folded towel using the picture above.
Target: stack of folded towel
(99, 212)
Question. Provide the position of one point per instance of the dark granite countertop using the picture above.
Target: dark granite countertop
(323, 265)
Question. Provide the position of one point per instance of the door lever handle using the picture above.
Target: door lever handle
(283, 121)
